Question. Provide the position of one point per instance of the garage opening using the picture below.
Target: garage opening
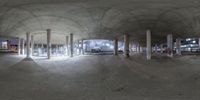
(101, 46)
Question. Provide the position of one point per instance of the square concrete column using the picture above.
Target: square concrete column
(178, 46)
(32, 45)
(148, 49)
(19, 46)
(49, 43)
(71, 45)
(23, 45)
(28, 44)
(67, 45)
(126, 45)
(170, 45)
(116, 47)
(82, 49)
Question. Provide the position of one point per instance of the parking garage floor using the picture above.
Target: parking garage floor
(100, 77)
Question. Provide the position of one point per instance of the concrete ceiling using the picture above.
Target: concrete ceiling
(100, 18)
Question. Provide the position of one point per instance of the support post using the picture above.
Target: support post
(49, 43)
(178, 46)
(116, 47)
(79, 47)
(28, 45)
(161, 48)
(138, 47)
(148, 49)
(170, 45)
(82, 49)
(23, 45)
(32, 45)
(19, 46)
(67, 45)
(199, 44)
(126, 45)
(156, 48)
(71, 45)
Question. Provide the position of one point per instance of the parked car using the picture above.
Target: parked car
(96, 50)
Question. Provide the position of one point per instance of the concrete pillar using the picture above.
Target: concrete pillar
(148, 49)
(28, 44)
(79, 47)
(67, 45)
(19, 46)
(116, 47)
(38, 50)
(161, 48)
(82, 49)
(199, 43)
(131, 47)
(178, 46)
(138, 47)
(42, 48)
(23, 45)
(126, 45)
(135, 47)
(48, 43)
(71, 45)
(156, 48)
(170, 45)
(141, 49)
(57, 49)
(32, 45)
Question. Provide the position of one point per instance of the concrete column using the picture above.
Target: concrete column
(135, 47)
(71, 45)
(79, 47)
(138, 47)
(23, 45)
(178, 46)
(19, 46)
(156, 48)
(148, 49)
(170, 45)
(141, 49)
(131, 47)
(116, 47)
(161, 48)
(42, 48)
(199, 43)
(38, 50)
(126, 45)
(57, 49)
(67, 45)
(37, 45)
(42, 45)
(32, 45)
(82, 49)
(28, 45)
(48, 43)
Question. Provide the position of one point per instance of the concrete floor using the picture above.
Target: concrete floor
(100, 77)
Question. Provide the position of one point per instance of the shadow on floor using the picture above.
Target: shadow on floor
(26, 65)
(27, 59)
